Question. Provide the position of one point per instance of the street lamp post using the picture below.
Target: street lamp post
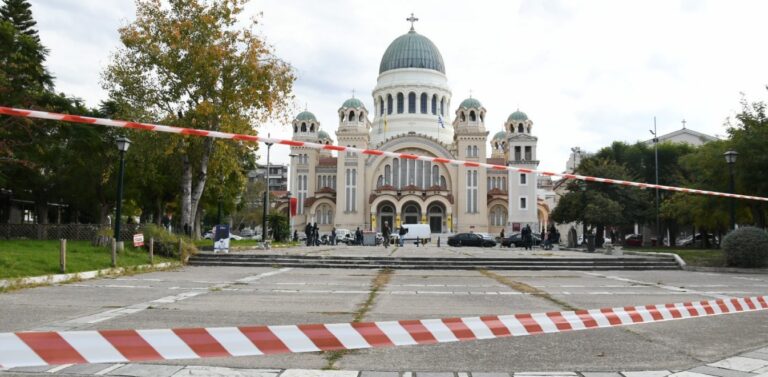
(730, 158)
(659, 238)
(292, 188)
(122, 145)
(264, 233)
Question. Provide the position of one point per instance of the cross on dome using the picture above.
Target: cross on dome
(412, 19)
(684, 122)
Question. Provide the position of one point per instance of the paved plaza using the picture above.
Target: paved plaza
(240, 296)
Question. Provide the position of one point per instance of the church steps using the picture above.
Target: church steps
(434, 263)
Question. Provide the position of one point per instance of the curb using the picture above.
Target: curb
(85, 275)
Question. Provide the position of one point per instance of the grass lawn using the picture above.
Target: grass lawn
(693, 257)
(24, 258)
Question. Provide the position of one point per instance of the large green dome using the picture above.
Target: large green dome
(501, 135)
(323, 135)
(470, 103)
(412, 50)
(306, 115)
(352, 103)
(517, 115)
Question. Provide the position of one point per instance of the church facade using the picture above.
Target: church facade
(411, 113)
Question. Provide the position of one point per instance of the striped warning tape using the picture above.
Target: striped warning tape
(294, 143)
(102, 346)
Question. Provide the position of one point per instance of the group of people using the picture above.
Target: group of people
(313, 236)
(527, 236)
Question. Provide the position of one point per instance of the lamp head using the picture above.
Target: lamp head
(730, 156)
(123, 143)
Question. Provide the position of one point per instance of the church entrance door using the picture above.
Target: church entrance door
(411, 214)
(435, 218)
(386, 214)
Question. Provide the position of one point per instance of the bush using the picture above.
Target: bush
(166, 243)
(746, 247)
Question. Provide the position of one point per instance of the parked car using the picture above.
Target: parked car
(516, 240)
(470, 239)
(247, 233)
(633, 240)
(697, 240)
(343, 235)
(419, 232)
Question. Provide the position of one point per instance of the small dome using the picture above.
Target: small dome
(323, 135)
(501, 135)
(352, 103)
(517, 115)
(306, 115)
(470, 103)
(412, 50)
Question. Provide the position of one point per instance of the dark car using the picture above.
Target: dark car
(633, 240)
(470, 239)
(516, 240)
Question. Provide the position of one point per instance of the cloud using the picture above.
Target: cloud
(586, 73)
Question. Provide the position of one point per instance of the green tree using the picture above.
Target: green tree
(749, 133)
(187, 63)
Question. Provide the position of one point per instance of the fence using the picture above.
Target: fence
(79, 232)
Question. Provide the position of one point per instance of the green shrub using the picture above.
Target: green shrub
(166, 243)
(746, 247)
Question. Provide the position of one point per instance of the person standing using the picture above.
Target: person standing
(308, 233)
(315, 234)
(401, 235)
(386, 232)
(333, 236)
(543, 239)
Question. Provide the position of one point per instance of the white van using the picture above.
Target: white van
(417, 231)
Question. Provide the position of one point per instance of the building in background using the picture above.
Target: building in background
(411, 114)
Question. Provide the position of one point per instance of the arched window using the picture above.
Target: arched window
(351, 115)
(311, 127)
(387, 175)
(303, 127)
(400, 103)
(412, 102)
(520, 128)
(389, 104)
(474, 151)
(528, 129)
(379, 182)
(462, 117)
(434, 104)
(482, 117)
(443, 185)
(381, 106)
(435, 175)
(469, 151)
(295, 129)
(341, 117)
(472, 116)
(442, 106)
(424, 103)
(361, 116)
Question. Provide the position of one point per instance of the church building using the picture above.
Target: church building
(411, 113)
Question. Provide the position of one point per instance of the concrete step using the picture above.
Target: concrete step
(662, 263)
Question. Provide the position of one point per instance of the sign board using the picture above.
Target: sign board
(221, 238)
(515, 227)
(138, 240)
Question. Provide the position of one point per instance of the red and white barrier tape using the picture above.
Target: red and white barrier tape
(225, 135)
(74, 347)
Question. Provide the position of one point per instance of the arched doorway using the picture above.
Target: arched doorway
(436, 214)
(411, 213)
(385, 213)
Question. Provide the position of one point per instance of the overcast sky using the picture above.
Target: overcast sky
(587, 73)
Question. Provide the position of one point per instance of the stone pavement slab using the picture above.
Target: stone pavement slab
(225, 372)
(647, 373)
(146, 370)
(380, 374)
(712, 371)
(601, 374)
(744, 364)
(318, 373)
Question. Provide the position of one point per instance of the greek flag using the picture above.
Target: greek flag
(440, 121)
